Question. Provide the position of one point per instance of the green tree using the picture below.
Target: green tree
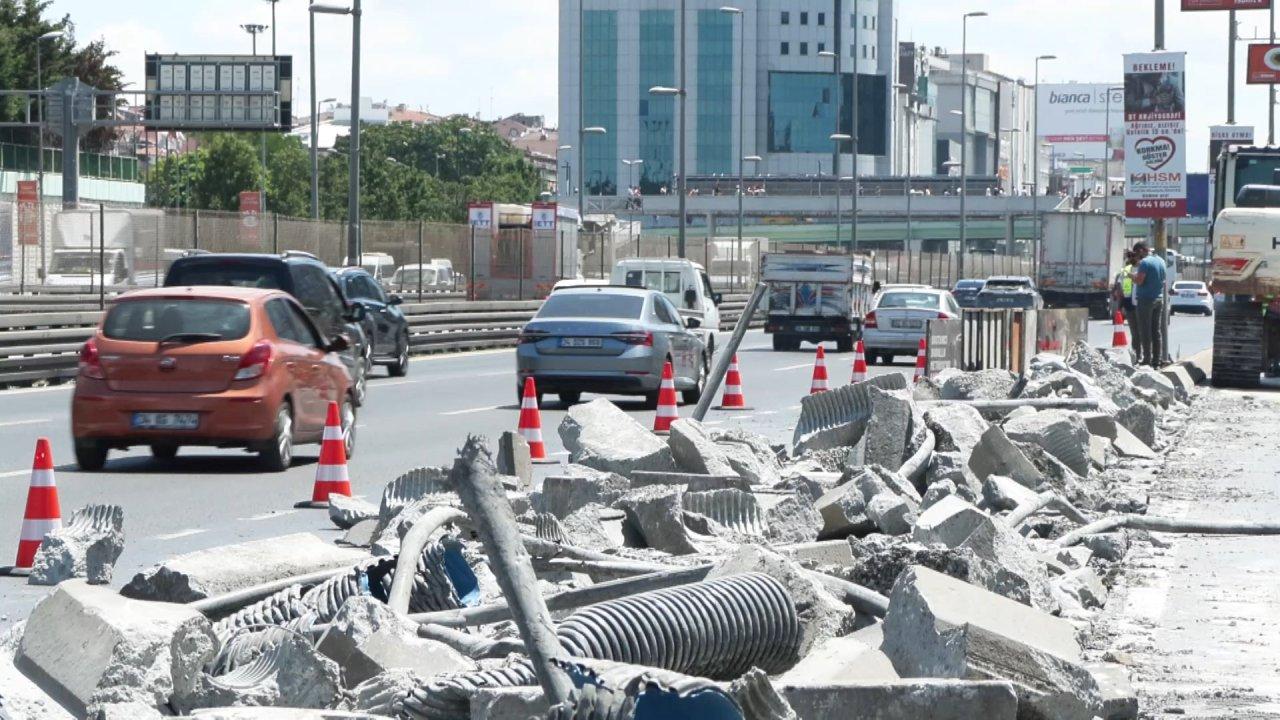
(21, 23)
(288, 176)
(231, 166)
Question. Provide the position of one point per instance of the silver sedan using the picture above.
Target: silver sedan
(899, 317)
(610, 340)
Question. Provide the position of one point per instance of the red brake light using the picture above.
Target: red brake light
(635, 338)
(870, 321)
(1203, 294)
(944, 316)
(91, 362)
(254, 363)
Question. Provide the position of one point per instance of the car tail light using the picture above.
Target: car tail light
(531, 336)
(1202, 293)
(91, 362)
(945, 316)
(635, 338)
(870, 321)
(254, 363)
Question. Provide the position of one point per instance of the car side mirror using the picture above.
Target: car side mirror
(395, 300)
(690, 298)
(717, 298)
(357, 312)
(692, 323)
(338, 343)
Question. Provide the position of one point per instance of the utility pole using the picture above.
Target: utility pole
(253, 29)
(354, 234)
(1271, 89)
(1231, 68)
(853, 131)
(684, 122)
(1157, 226)
(964, 135)
(315, 121)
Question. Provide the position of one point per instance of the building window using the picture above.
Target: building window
(786, 48)
(822, 18)
(714, 145)
(657, 142)
(853, 51)
(866, 22)
(600, 106)
(853, 20)
(804, 48)
(873, 22)
(864, 52)
(822, 47)
(786, 18)
(873, 52)
(804, 18)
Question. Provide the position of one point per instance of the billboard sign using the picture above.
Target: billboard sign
(544, 216)
(1189, 5)
(480, 216)
(1155, 115)
(250, 216)
(28, 212)
(1074, 118)
(224, 92)
(1264, 64)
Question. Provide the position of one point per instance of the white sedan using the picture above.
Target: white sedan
(1191, 297)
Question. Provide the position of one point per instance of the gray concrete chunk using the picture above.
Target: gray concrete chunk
(599, 435)
(889, 429)
(1156, 382)
(844, 513)
(1129, 445)
(656, 514)
(980, 385)
(86, 547)
(957, 427)
(1062, 433)
(367, 637)
(694, 451)
(995, 454)
(902, 700)
(563, 495)
(514, 459)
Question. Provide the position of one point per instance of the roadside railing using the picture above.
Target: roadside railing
(985, 339)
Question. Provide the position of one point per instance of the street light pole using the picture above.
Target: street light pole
(315, 121)
(684, 122)
(1106, 164)
(742, 104)
(631, 210)
(854, 131)
(910, 140)
(40, 138)
(1035, 166)
(837, 136)
(354, 234)
(964, 134)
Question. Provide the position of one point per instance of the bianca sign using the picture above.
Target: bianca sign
(1155, 132)
(1076, 118)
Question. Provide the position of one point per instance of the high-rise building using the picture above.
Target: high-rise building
(618, 49)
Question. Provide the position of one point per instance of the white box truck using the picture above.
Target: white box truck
(1080, 256)
(814, 298)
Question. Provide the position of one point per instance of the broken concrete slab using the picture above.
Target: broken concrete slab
(381, 694)
(937, 491)
(596, 526)
(793, 519)
(822, 552)
(1084, 586)
(694, 451)
(1100, 452)
(656, 514)
(943, 628)
(949, 522)
(885, 440)
(736, 514)
(121, 711)
(360, 535)
(750, 455)
(1100, 424)
(996, 454)
(1183, 383)
(514, 703)
(954, 467)
(599, 435)
(86, 547)
(289, 673)
(1140, 419)
(263, 713)
(1111, 546)
(842, 660)
(1129, 445)
(981, 385)
(837, 419)
(87, 645)
(367, 637)
(1163, 387)
(1062, 433)
(206, 573)
(514, 459)
(891, 514)
(903, 700)
(956, 427)
(844, 513)
(345, 512)
(564, 494)
(692, 482)
(1003, 493)
(1119, 701)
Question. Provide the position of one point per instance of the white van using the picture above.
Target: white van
(686, 285)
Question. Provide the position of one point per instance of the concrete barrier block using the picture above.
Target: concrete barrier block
(996, 454)
(514, 459)
(694, 451)
(599, 435)
(563, 495)
(903, 700)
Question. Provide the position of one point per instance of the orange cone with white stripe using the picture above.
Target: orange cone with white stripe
(43, 514)
(667, 412)
(530, 424)
(859, 363)
(331, 471)
(1119, 338)
(733, 399)
(921, 359)
(819, 373)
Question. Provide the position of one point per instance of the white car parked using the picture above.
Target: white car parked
(1191, 297)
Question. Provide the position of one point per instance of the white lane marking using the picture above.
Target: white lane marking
(794, 367)
(469, 411)
(393, 383)
(14, 473)
(268, 515)
(459, 355)
(15, 423)
(180, 534)
(47, 388)
(498, 373)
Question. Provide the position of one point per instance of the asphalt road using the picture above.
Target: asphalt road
(206, 498)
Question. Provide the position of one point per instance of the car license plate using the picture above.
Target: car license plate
(577, 342)
(907, 324)
(808, 328)
(165, 421)
(1187, 294)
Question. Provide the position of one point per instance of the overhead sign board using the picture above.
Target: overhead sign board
(226, 92)
(1078, 117)
(1264, 64)
(1190, 5)
(1155, 115)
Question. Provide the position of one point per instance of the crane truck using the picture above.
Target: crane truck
(1246, 266)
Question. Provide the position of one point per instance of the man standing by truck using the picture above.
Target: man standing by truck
(1149, 281)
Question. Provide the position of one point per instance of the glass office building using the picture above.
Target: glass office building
(618, 49)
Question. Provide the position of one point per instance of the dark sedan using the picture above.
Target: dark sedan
(384, 322)
(966, 292)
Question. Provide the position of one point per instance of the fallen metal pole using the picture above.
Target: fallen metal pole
(475, 479)
(473, 646)
(1158, 524)
(864, 600)
(1042, 501)
(236, 599)
(612, 567)
(915, 465)
(569, 599)
(727, 352)
(411, 550)
(1054, 403)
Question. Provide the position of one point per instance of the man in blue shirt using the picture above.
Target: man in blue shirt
(1148, 294)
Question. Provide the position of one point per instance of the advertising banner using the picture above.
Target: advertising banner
(28, 213)
(1188, 5)
(1074, 118)
(1264, 64)
(480, 216)
(1155, 115)
(544, 216)
(250, 211)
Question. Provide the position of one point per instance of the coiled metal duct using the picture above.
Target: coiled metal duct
(448, 697)
(734, 509)
(547, 527)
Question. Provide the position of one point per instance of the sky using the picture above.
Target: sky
(498, 57)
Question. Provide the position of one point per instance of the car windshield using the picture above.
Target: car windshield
(1188, 286)
(909, 300)
(599, 305)
(410, 277)
(969, 285)
(223, 272)
(157, 319)
(1006, 284)
(75, 263)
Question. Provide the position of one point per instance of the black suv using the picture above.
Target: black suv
(384, 322)
(299, 274)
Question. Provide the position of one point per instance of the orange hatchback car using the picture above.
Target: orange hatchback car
(210, 366)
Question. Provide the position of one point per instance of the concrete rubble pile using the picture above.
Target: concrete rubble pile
(897, 560)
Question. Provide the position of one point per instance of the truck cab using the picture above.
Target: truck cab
(686, 285)
(112, 266)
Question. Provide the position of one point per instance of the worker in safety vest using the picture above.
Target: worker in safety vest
(1122, 289)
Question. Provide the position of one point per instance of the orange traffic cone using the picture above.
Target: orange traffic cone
(331, 471)
(1119, 338)
(819, 373)
(921, 358)
(43, 514)
(733, 399)
(530, 424)
(859, 363)
(667, 412)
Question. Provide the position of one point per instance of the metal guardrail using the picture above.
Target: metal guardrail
(41, 336)
(984, 339)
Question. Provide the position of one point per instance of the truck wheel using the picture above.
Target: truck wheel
(779, 343)
(1238, 337)
(844, 344)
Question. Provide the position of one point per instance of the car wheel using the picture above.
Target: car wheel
(348, 413)
(400, 367)
(694, 394)
(651, 400)
(872, 356)
(165, 451)
(90, 456)
(570, 398)
(779, 343)
(277, 454)
(360, 389)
